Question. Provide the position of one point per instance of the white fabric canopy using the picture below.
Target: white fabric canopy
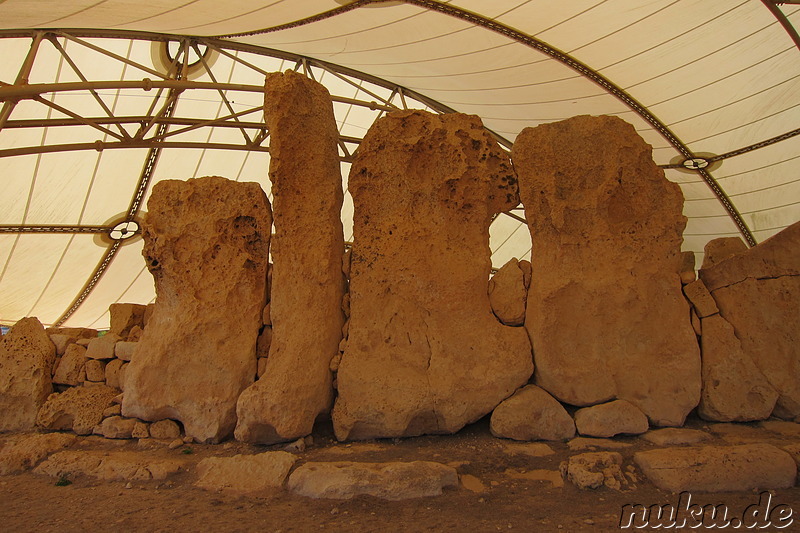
(93, 114)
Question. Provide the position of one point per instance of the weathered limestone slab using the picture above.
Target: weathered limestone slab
(77, 409)
(718, 468)
(70, 370)
(388, 481)
(507, 294)
(112, 372)
(609, 419)
(532, 414)
(734, 389)
(102, 347)
(206, 244)
(95, 370)
(108, 466)
(307, 279)
(425, 354)
(605, 313)
(124, 350)
(758, 293)
(701, 300)
(124, 317)
(245, 473)
(675, 436)
(718, 250)
(26, 360)
(61, 342)
(25, 451)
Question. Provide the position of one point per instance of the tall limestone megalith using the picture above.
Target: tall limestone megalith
(307, 280)
(26, 359)
(758, 293)
(605, 311)
(206, 244)
(425, 354)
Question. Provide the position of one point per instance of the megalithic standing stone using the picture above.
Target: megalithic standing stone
(605, 311)
(307, 280)
(425, 354)
(206, 242)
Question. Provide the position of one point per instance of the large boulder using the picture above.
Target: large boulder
(71, 368)
(605, 311)
(125, 317)
(77, 409)
(532, 414)
(609, 419)
(425, 354)
(26, 360)
(307, 280)
(758, 293)
(206, 244)
(734, 389)
(507, 294)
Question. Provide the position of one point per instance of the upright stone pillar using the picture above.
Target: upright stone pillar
(26, 358)
(206, 244)
(425, 354)
(605, 311)
(307, 280)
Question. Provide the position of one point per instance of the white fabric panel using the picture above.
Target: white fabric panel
(77, 261)
(116, 281)
(508, 238)
(30, 267)
(113, 186)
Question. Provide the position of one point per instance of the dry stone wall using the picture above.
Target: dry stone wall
(605, 311)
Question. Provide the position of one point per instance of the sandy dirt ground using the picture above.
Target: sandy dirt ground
(520, 492)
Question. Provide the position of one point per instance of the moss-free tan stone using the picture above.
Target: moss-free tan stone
(605, 313)
(424, 352)
(206, 244)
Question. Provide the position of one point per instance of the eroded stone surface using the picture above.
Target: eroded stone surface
(734, 389)
(718, 250)
(102, 347)
(206, 244)
(507, 294)
(593, 470)
(425, 353)
(609, 419)
(758, 293)
(605, 311)
(26, 361)
(70, 369)
(25, 451)
(245, 473)
(125, 317)
(532, 414)
(388, 481)
(307, 280)
(675, 436)
(718, 468)
(108, 466)
(307, 246)
(701, 300)
(78, 409)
